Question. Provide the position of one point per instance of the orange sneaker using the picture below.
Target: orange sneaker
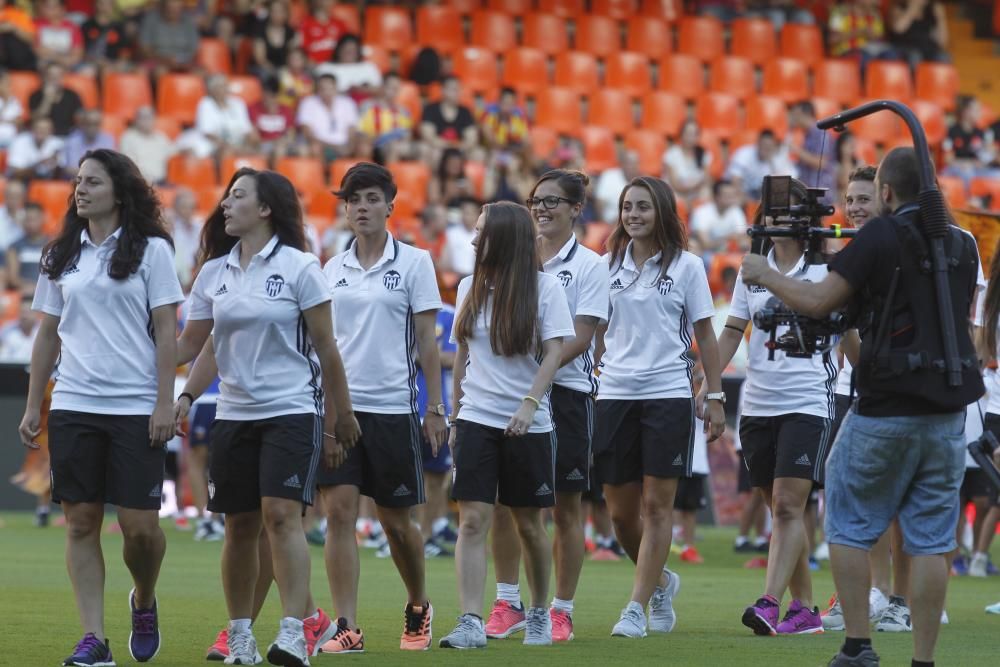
(417, 628)
(562, 625)
(219, 651)
(604, 554)
(345, 640)
(505, 619)
(318, 631)
(690, 555)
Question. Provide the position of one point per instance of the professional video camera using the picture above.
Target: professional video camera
(982, 453)
(805, 337)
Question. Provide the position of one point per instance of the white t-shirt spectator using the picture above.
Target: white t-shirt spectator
(150, 152)
(708, 220)
(352, 75)
(609, 188)
(684, 168)
(330, 124)
(231, 123)
(458, 246)
(10, 114)
(24, 152)
(746, 165)
(15, 345)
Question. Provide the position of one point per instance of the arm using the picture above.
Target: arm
(435, 427)
(461, 357)
(161, 422)
(192, 340)
(715, 414)
(901, 18)
(599, 346)
(43, 361)
(940, 31)
(850, 345)
(586, 327)
(14, 270)
(812, 299)
(551, 356)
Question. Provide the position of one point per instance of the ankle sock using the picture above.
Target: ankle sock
(239, 625)
(565, 606)
(855, 645)
(509, 593)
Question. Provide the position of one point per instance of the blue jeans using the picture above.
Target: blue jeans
(881, 467)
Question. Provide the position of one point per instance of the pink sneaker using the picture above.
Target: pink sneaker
(504, 620)
(762, 616)
(318, 631)
(562, 625)
(800, 620)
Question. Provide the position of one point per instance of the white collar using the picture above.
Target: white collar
(389, 253)
(265, 253)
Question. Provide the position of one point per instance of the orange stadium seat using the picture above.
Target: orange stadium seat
(569, 9)
(544, 140)
(526, 70)
(577, 70)
(167, 196)
(493, 30)
(804, 42)
(409, 97)
(178, 96)
(766, 112)
(247, 87)
(953, 189)
(465, 7)
(720, 262)
(412, 178)
(599, 35)
(888, 80)
(54, 199)
(213, 56)
(865, 150)
(682, 74)
(664, 9)
(596, 235)
(558, 108)
(598, 148)
(663, 112)
(374, 53)
(649, 145)
(191, 172)
(546, 32)
(712, 142)
(10, 305)
(388, 27)
(628, 71)
(648, 35)
(230, 164)
(512, 7)
(113, 125)
(619, 10)
(825, 107)
(209, 196)
(167, 125)
(475, 171)
(931, 116)
(338, 169)
(322, 205)
(937, 83)
(477, 68)
(612, 109)
(22, 85)
(882, 127)
(837, 79)
(733, 75)
(988, 189)
(85, 87)
(701, 37)
(305, 173)
(349, 14)
(786, 78)
(753, 39)
(440, 26)
(719, 113)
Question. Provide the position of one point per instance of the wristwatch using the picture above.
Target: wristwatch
(438, 409)
(717, 396)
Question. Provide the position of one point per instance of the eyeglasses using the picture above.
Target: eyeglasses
(547, 203)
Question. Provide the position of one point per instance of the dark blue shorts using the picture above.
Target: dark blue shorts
(200, 424)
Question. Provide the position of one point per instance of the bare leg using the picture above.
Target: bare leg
(601, 518)
(343, 567)
(265, 574)
(851, 578)
(85, 563)
(505, 545)
(198, 470)
(537, 552)
(289, 552)
(787, 556)
(568, 547)
(900, 563)
(407, 548)
(241, 562)
(624, 505)
(143, 550)
(470, 554)
(657, 532)
(881, 568)
(436, 507)
(985, 537)
(928, 584)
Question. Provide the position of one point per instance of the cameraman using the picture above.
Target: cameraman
(899, 450)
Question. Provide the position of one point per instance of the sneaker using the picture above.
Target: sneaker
(960, 567)
(993, 608)
(689, 554)
(762, 616)
(617, 548)
(469, 633)
(384, 551)
(867, 658)
(345, 640)
(42, 519)
(446, 535)
(219, 651)
(144, 640)
(661, 605)
(822, 551)
(762, 545)
(203, 529)
(895, 618)
(743, 546)
(417, 628)
(289, 647)
(434, 549)
(944, 617)
(318, 631)
(813, 564)
(91, 652)
(316, 536)
(242, 649)
(877, 604)
(562, 625)
(800, 620)
(833, 618)
(977, 567)
(632, 622)
(605, 554)
(538, 627)
(505, 619)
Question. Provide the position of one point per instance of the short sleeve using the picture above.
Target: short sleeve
(593, 295)
(463, 291)
(858, 261)
(739, 307)
(312, 286)
(199, 303)
(48, 296)
(698, 296)
(555, 320)
(162, 285)
(424, 294)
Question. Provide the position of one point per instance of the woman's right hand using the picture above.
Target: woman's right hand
(30, 428)
(348, 431)
(699, 401)
(182, 406)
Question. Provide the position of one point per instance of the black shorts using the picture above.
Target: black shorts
(652, 437)
(595, 494)
(975, 485)
(743, 484)
(690, 494)
(991, 423)
(841, 406)
(517, 471)
(104, 459)
(573, 415)
(275, 457)
(200, 421)
(386, 464)
(793, 445)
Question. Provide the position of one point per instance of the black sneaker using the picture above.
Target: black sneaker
(91, 652)
(617, 548)
(746, 547)
(867, 658)
(42, 518)
(434, 549)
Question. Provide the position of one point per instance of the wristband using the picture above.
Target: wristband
(330, 435)
(534, 400)
(187, 395)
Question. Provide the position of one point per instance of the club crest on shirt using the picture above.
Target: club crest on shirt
(565, 277)
(274, 284)
(665, 285)
(391, 279)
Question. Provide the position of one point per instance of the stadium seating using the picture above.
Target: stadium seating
(84, 86)
(663, 112)
(440, 26)
(568, 9)
(545, 32)
(512, 7)
(931, 117)
(719, 113)
(477, 68)
(701, 37)
(192, 172)
(786, 78)
(246, 87)
(53, 196)
(526, 70)
(802, 42)
(412, 179)
(937, 83)
(880, 128)
(753, 39)
(648, 35)
(493, 30)
(629, 72)
(559, 109)
(616, 9)
(649, 145)
(886, 79)
(988, 189)
(178, 96)
(22, 85)
(213, 56)
(577, 71)
(837, 79)
(598, 35)
(612, 109)
(544, 140)
(733, 75)
(598, 148)
(305, 173)
(765, 112)
(682, 74)
(389, 27)
(953, 189)
(349, 14)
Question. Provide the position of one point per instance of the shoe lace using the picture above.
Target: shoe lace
(288, 636)
(240, 643)
(144, 622)
(413, 621)
(89, 644)
(468, 623)
(790, 614)
(342, 635)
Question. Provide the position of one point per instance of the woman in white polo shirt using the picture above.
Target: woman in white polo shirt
(555, 203)
(644, 435)
(512, 319)
(283, 395)
(109, 294)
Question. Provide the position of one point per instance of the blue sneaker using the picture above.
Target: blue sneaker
(813, 564)
(144, 640)
(91, 652)
(446, 534)
(960, 567)
(991, 569)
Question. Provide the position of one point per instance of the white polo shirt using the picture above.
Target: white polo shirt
(107, 361)
(584, 277)
(494, 387)
(373, 321)
(650, 328)
(265, 358)
(787, 384)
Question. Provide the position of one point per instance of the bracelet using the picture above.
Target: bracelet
(730, 326)
(534, 400)
(187, 395)
(329, 435)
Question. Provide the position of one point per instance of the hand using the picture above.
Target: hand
(182, 407)
(452, 435)
(161, 424)
(31, 426)
(435, 430)
(333, 453)
(699, 401)
(754, 268)
(521, 421)
(347, 430)
(715, 420)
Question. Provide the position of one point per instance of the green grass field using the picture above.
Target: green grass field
(40, 626)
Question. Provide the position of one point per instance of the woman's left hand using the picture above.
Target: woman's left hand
(715, 420)
(161, 424)
(521, 421)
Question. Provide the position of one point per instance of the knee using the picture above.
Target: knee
(340, 516)
(656, 510)
(529, 526)
(281, 521)
(141, 533)
(567, 516)
(396, 528)
(472, 525)
(83, 526)
(787, 507)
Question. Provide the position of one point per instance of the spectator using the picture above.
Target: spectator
(509, 176)
(294, 80)
(55, 100)
(817, 156)
(222, 123)
(10, 111)
(17, 38)
(24, 256)
(386, 123)
(87, 137)
(274, 40)
(321, 31)
(459, 256)
(967, 148)
(751, 163)
(273, 122)
(147, 146)
(919, 30)
(780, 12)
(105, 41)
(328, 121)
(724, 10)
(433, 230)
(185, 228)
(18, 338)
(856, 30)
(34, 153)
(504, 124)
(686, 163)
(57, 39)
(847, 161)
(450, 184)
(355, 76)
(168, 38)
(448, 122)
(721, 222)
(11, 215)
(610, 184)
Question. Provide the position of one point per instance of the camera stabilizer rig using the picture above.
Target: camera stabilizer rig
(982, 453)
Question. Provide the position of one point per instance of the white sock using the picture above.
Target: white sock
(510, 593)
(314, 617)
(238, 625)
(760, 540)
(565, 606)
(439, 524)
(741, 540)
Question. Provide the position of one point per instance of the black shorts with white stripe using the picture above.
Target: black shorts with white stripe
(793, 445)
(652, 437)
(516, 471)
(386, 464)
(573, 414)
(275, 457)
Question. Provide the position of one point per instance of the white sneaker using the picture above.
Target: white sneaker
(661, 605)
(833, 619)
(977, 568)
(822, 551)
(877, 604)
(993, 608)
(469, 633)
(242, 649)
(289, 647)
(538, 627)
(632, 623)
(944, 617)
(896, 617)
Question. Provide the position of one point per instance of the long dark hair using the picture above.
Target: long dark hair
(507, 262)
(274, 191)
(139, 215)
(669, 234)
(572, 182)
(991, 309)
